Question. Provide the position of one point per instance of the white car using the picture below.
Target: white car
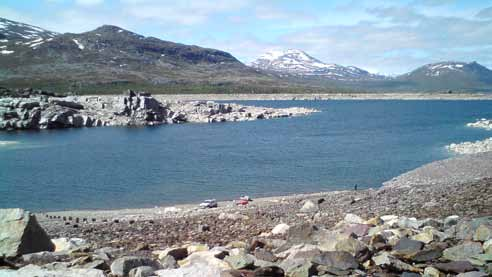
(209, 203)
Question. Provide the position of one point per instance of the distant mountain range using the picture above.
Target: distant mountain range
(110, 58)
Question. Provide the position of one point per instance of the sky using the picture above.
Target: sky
(388, 37)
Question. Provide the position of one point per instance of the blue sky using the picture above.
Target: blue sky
(389, 37)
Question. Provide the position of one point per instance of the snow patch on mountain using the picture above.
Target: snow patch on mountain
(437, 69)
(80, 45)
(16, 33)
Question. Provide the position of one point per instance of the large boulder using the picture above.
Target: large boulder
(21, 234)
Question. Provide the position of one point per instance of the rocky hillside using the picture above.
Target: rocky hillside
(298, 62)
(449, 75)
(110, 55)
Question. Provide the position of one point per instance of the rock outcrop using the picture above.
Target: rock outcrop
(41, 111)
(21, 234)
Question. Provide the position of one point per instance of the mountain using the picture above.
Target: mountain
(449, 75)
(298, 62)
(112, 57)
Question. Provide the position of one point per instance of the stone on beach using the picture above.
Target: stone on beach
(21, 234)
(68, 244)
(309, 207)
(38, 271)
(280, 229)
(121, 267)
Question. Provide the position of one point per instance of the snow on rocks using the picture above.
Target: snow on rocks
(80, 45)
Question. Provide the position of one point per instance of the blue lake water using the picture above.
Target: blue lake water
(347, 143)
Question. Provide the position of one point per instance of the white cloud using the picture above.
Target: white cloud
(89, 2)
(184, 12)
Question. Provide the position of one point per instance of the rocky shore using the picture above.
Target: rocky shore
(473, 147)
(34, 111)
(433, 221)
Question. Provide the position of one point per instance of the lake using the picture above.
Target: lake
(346, 143)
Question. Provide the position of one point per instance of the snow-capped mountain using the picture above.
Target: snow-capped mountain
(298, 62)
(443, 68)
(15, 35)
(450, 74)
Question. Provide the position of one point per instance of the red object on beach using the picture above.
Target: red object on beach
(242, 202)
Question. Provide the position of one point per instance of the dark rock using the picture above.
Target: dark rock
(67, 104)
(425, 255)
(455, 267)
(270, 271)
(406, 245)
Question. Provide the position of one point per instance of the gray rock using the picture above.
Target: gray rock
(37, 271)
(168, 261)
(406, 245)
(142, 271)
(43, 257)
(240, 261)
(336, 259)
(21, 234)
(386, 260)
(309, 207)
(462, 251)
(473, 274)
(122, 266)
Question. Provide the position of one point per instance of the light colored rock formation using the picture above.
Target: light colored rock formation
(468, 147)
(481, 123)
(132, 109)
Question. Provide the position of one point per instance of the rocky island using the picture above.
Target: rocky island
(30, 109)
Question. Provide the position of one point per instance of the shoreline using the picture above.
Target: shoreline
(463, 168)
(324, 96)
(192, 207)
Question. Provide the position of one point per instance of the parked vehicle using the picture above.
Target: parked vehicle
(209, 203)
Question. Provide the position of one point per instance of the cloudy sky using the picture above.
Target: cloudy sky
(389, 37)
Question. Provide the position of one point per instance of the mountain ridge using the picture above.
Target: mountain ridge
(109, 58)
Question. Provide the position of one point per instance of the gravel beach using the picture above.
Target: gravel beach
(461, 185)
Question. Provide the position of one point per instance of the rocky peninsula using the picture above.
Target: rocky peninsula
(433, 221)
(39, 110)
